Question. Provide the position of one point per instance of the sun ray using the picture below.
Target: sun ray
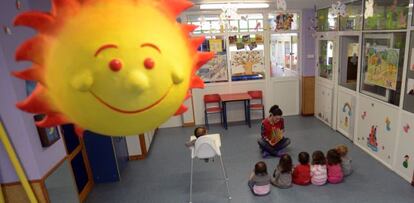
(40, 21)
(181, 110)
(34, 73)
(36, 102)
(32, 50)
(53, 119)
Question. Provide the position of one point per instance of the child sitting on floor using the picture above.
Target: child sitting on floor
(318, 168)
(345, 160)
(334, 167)
(259, 181)
(282, 176)
(198, 132)
(301, 173)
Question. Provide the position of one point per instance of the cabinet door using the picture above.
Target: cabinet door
(101, 156)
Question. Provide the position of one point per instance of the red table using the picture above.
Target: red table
(234, 97)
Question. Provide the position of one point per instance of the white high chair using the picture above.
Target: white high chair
(207, 146)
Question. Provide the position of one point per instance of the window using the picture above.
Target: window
(206, 24)
(246, 57)
(382, 64)
(283, 54)
(353, 17)
(325, 62)
(385, 14)
(246, 23)
(349, 57)
(409, 90)
(326, 20)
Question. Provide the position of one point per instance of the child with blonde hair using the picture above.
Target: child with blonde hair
(346, 161)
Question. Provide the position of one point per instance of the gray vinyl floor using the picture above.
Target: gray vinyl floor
(165, 175)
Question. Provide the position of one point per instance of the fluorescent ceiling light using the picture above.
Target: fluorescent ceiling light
(238, 6)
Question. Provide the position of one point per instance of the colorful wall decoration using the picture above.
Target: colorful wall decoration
(404, 164)
(346, 114)
(376, 129)
(215, 70)
(382, 67)
(247, 63)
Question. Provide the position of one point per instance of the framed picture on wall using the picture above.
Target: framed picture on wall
(48, 136)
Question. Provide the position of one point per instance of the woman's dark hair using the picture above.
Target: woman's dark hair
(333, 157)
(318, 158)
(285, 164)
(275, 111)
(303, 158)
(260, 168)
(199, 131)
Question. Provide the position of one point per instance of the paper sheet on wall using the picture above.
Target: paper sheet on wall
(382, 67)
(412, 60)
(215, 45)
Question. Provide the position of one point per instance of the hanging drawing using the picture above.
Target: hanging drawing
(405, 162)
(216, 45)
(281, 5)
(372, 139)
(382, 67)
(347, 108)
(6, 30)
(338, 9)
(215, 70)
(283, 21)
(345, 115)
(18, 4)
(247, 63)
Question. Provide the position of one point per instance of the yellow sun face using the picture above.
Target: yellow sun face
(114, 67)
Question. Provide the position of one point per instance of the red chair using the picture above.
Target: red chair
(256, 95)
(212, 104)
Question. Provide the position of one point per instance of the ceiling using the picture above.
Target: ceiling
(291, 4)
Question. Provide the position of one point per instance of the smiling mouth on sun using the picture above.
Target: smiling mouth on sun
(132, 111)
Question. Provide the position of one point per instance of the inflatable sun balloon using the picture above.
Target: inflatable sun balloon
(109, 66)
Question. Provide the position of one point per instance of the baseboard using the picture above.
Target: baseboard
(136, 157)
(308, 114)
(190, 124)
(14, 192)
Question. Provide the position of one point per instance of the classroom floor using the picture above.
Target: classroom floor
(165, 175)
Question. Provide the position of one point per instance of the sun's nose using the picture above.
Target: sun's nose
(177, 76)
(137, 81)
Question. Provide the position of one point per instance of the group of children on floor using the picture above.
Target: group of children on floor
(321, 170)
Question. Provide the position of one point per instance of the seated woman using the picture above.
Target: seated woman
(272, 141)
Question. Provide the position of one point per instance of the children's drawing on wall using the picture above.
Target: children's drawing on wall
(216, 45)
(410, 87)
(382, 67)
(405, 162)
(387, 124)
(247, 63)
(406, 128)
(215, 70)
(283, 21)
(372, 139)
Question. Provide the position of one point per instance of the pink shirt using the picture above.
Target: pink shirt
(318, 174)
(335, 174)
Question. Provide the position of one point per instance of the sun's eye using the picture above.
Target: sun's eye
(115, 65)
(149, 63)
